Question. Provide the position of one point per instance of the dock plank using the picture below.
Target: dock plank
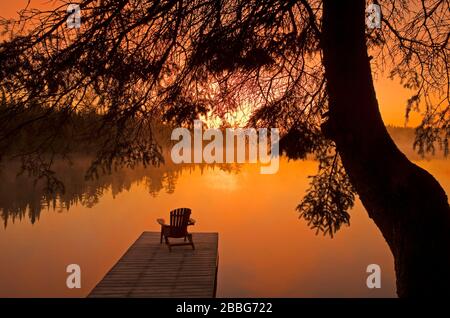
(148, 269)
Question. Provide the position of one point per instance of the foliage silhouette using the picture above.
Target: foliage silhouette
(300, 65)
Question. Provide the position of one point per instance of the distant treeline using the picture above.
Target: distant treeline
(404, 138)
(45, 130)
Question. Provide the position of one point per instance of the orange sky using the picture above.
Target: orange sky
(391, 95)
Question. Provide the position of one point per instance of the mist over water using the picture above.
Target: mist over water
(265, 250)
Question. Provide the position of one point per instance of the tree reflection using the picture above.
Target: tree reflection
(23, 196)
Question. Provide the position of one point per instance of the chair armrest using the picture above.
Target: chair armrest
(161, 221)
(191, 221)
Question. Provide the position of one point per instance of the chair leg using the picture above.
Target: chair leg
(167, 243)
(191, 241)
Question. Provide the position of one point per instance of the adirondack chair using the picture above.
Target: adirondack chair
(178, 227)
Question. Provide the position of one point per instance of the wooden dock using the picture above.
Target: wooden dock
(148, 269)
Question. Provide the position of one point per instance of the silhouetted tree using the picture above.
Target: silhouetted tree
(300, 65)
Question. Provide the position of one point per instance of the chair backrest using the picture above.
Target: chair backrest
(179, 219)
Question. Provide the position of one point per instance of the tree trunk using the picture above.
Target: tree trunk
(406, 203)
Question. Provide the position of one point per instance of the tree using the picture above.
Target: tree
(300, 65)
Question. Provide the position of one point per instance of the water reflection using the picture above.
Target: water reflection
(23, 196)
(265, 251)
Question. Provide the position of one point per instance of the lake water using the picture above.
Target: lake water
(265, 250)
